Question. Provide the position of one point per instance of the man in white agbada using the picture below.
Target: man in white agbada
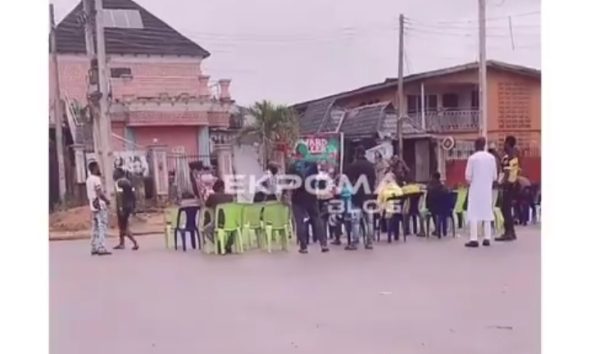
(480, 173)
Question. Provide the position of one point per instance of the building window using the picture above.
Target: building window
(122, 18)
(121, 72)
(450, 100)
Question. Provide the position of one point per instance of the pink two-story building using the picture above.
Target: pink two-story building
(157, 90)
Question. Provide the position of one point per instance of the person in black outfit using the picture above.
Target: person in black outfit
(125, 207)
(509, 181)
(305, 203)
(362, 168)
(436, 192)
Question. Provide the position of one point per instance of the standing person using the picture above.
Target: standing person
(436, 190)
(508, 183)
(305, 204)
(98, 206)
(400, 169)
(480, 173)
(125, 207)
(361, 168)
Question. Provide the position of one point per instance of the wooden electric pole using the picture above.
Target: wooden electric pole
(57, 108)
(401, 111)
(483, 83)
(104, 116)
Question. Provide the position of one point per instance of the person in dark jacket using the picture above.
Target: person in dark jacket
(364, 171)
(436, 191)
(305, 204)
(125, 207)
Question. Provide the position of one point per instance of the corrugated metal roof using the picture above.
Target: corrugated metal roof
(155, 38)
(362, 122)
(311, 120)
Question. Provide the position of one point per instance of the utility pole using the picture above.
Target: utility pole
(89, 27)
(57, 109)
(400, 89)
(483, 82)
(104, 116)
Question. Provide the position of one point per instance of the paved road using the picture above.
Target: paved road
(425, 296)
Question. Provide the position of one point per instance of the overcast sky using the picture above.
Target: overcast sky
(294, 50)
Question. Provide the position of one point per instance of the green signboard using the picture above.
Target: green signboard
(320, 148)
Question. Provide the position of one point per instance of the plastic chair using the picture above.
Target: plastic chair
(459, 211)
(171, 221)
(190, 214)
(276, 219)
(232, 219)
(252, 223)
(425, 214)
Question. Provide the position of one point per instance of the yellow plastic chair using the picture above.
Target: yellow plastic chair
(252, 227)
(232, 220)
(171, 219)
(277, 221)
(498, 217)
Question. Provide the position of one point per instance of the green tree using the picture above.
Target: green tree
(274, 125)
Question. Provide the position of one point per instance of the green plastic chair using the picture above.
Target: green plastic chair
(459, 211)
(252, 223)
(425, 215)
(498, 217)
(232, 217)
(276, 219)
(170, 218)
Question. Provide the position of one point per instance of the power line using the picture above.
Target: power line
(491, 19)
(152, 31)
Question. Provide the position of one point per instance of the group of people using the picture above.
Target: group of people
(99, 204)
(310, 208)
(482, 172)
(315, 209)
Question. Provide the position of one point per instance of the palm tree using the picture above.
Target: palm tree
(274, 125)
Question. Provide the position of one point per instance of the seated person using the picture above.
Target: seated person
(217, 197)
(207, 179)
(524, 200)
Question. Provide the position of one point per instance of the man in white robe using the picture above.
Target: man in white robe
(480, 173)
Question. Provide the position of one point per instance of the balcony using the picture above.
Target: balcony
(448, 120)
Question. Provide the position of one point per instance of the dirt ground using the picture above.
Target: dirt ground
(78, 219)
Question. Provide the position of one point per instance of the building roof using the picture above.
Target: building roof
(361, 122)
(392, 82)
(311, 120)
(154, 38)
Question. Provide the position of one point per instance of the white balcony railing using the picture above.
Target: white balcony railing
(448, 120)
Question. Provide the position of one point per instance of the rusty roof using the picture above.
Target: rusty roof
(392, 82)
